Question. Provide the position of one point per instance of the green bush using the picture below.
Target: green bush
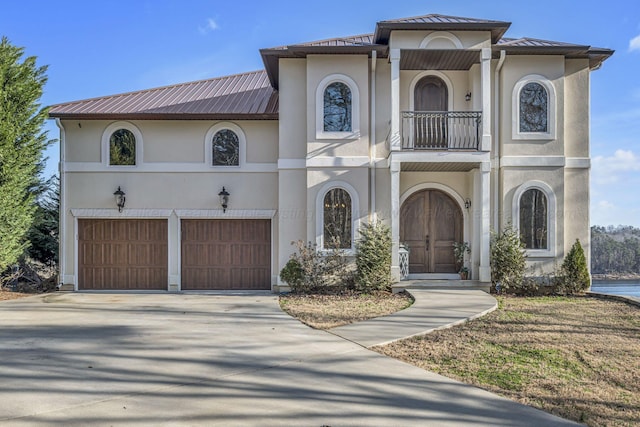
(312, 271)
(574, 274)
(373, 258)
(507, 260)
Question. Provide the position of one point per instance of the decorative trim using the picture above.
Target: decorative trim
(578, 163)
(292, 164)
(441, 35)
(171, 167)
(355, 210)
(335, 162)
(445, 79)
(476, 157)
(551, 109)
(551, 217)
(208, 145)
(126, 213)
(532, 161)
(106, 137)
(355, 108)
(229, 214)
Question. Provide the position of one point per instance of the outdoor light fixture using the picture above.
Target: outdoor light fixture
(224, 199)
(120, 199)
(467, 97)
(467, 203)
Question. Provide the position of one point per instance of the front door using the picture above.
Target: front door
(430, 104)
(430, 223)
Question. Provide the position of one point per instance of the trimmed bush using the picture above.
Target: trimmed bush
(373, 258)
(574, 274)
(507, 260)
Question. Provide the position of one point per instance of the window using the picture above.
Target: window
(337, 227)
(122, 148)
(533, 219)
(534, 105)
(534, 216)
(226, 148)
(337, 108)
(534, 109)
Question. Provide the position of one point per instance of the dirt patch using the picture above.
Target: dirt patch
(330, 311)
(578, 358)
(9, 295)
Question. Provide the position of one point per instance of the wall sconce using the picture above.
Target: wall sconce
(467, 97)
(224, 199)
(120, 198)
(467, 204)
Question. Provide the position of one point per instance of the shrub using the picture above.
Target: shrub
(574, 274)
(373, 258)
(312, 271)
(507, 260)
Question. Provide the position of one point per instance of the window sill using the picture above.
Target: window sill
(338, 135)
(539, 253)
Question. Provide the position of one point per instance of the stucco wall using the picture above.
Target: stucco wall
(576, 108)
(292, 97)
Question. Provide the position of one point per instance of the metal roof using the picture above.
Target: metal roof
(247, 95)
(440, 23)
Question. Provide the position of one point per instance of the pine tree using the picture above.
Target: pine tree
(22, 142)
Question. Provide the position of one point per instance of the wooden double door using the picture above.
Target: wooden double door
(430, 223)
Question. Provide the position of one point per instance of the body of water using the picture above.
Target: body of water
(628, 288)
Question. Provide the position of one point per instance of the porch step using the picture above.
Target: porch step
(441, 284)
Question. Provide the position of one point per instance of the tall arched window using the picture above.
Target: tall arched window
(337, 108)
(337, 226)
(534, 108)
(225, 148)
(533, 221)
(122, 148)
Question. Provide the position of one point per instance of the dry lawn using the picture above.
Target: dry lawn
(578, 358)
(7, 295)
(330, 311)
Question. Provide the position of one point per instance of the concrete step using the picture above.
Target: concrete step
(441, 284)
(67, 287)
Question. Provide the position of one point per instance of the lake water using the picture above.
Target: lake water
(617, 287)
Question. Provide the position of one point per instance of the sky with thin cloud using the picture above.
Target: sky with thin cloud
(103, 48)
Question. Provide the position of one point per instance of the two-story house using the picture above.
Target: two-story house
(437, 125)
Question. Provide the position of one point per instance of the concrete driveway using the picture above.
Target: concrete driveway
(185, 360)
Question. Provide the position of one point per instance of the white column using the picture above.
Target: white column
(173, 243)
(485, 76)
(395, 220)
(484, 182)
(394, 58)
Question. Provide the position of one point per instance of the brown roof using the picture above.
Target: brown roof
(530, 46)
(247, 95)
(440, 23)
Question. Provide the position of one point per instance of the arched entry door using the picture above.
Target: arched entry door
(430, 223)
(431, 101)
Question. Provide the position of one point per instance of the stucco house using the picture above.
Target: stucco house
(437, 125)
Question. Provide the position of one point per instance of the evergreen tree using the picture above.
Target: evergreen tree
(22, 142)
(43, 234)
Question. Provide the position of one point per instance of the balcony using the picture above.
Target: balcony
(441, 130)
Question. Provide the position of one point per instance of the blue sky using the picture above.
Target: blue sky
(96, 48)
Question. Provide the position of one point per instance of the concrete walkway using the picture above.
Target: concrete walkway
(232, 360)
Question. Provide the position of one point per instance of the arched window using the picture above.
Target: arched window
(122, 148)
(337, 221)
(534, 108)
(534, 214)
(337, 108)
(225, 148)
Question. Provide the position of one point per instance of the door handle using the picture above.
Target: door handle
(426, 242)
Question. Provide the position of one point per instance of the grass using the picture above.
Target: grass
(8, 295)
(326, 311)
(578, 358)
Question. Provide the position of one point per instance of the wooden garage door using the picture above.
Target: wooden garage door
(122, 254)
(226, 254)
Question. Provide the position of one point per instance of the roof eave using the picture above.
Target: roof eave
(163, 116)
(383, 28)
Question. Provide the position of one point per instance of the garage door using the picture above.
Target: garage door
(122, 254)
(226, 254)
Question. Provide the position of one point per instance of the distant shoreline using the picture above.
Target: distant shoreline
(616, 276)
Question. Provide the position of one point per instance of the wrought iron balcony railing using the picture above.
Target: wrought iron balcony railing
(441, 130)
